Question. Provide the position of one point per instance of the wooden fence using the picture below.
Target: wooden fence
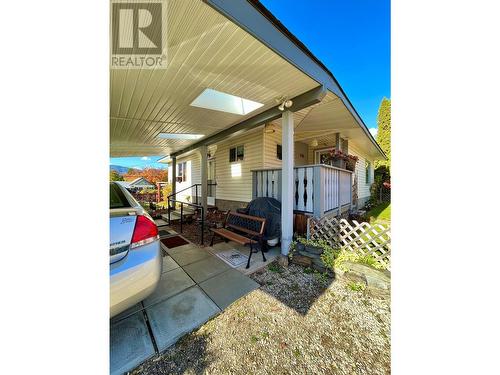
(363, 238)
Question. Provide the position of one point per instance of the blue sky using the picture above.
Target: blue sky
(351, 37)
(138, 162)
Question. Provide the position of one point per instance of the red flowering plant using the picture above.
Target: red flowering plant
(350, 162)
(337, 155)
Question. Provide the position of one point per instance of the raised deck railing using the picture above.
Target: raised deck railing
(318, 189)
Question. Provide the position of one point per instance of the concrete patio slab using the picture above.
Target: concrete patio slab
(227, 287)
(256, 262)
(179, 315)
(188, 256)
(130, 344)
(171, 283)
(206, 268)
(128, 312)
(180, 249)
(169, 264)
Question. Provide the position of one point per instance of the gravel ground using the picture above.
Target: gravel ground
(296, 323)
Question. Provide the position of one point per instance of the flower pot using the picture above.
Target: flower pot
(339, 163)
(273, 242)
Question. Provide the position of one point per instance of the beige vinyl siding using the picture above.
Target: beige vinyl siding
(269, 154)
(270, 158)
(234, 180)
(363, 186)
(301, 153)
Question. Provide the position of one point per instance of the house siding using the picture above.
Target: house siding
(234, 180)
(270, 160)
(270, 157)
(363, 186)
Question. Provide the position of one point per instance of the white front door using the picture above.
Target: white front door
(211, 180)
(322, 156)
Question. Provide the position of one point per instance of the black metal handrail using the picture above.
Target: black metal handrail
(182, 203)
(191, 187)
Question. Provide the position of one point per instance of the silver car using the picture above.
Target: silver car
(134, 251)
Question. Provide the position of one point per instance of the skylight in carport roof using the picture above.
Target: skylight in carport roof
(220, 101)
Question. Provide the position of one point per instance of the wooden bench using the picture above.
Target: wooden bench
(242, 229)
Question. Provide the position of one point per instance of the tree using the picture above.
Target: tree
(153, 175)
(384, 132)
(115, 176)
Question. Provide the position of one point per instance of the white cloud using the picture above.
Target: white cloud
(145, 158)
(137, 167)
(373, 131)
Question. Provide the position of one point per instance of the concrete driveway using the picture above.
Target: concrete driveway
(194, 287)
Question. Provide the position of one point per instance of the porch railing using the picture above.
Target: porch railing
(318, 189)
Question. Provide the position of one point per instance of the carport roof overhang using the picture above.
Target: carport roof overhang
(236, 47)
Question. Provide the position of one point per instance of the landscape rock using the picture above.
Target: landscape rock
(375, 279)
(316, 250)
(283, 261)
(301, 260)
(307, 254)
(356, 277)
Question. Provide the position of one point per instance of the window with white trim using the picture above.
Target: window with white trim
(236, 153)
(367, 172)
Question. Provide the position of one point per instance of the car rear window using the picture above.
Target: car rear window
(116, 197)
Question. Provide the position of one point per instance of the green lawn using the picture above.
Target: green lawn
(380, 214)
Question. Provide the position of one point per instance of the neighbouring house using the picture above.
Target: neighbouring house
(136, 184)
(243, 109)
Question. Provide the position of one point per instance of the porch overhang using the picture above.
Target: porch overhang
(236, 47)
(263, 25)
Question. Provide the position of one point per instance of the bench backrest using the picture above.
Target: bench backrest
(252, 225)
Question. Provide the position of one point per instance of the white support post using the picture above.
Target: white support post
(287, 182)
(174, 174)
(204, 178)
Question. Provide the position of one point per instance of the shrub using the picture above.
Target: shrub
(356, 287)
(335, 258)
(273, 267)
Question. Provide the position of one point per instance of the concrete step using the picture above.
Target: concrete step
(176, 215)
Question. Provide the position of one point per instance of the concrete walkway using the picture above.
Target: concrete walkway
(194, 287)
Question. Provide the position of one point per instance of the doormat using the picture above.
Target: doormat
(174, 241)
(233, 257)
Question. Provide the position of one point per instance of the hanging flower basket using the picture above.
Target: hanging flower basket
(341, 160)
(351, 161)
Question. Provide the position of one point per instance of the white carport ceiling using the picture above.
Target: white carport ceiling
(205, 50)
